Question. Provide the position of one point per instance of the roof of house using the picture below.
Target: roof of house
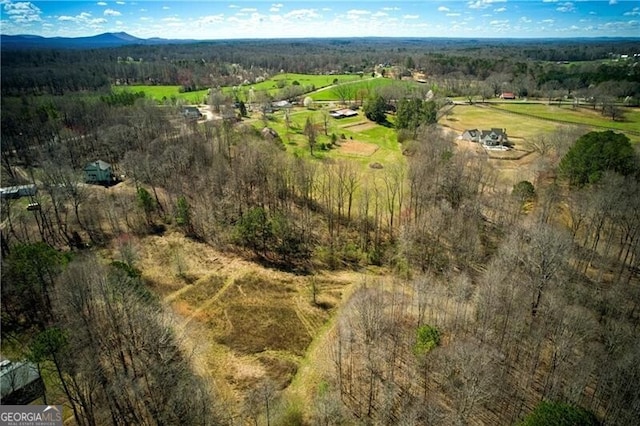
(507, 95)
(493, 134)
(281, 104)
(101, 165)
(345, 112)
(16, 375)
(473, 132)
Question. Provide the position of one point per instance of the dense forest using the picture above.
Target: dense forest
(478, 303)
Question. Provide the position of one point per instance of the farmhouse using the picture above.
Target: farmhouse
(507, 95)
(98, 172)
(191, 113)
(493, 137)
(18, 191)
(20, 383)
(343, 113)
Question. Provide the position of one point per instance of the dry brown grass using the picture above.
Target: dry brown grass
(352, 147)
(242, 322)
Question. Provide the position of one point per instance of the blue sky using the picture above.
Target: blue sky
(328, 18)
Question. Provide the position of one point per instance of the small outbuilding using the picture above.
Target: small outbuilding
(343, 113)
(18, 191)
(191, 113)
(99, 172)
(20, 383)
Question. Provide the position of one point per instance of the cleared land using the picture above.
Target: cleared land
(580, 116)
(357, 148)
(375, 143)
(243, 322)
(162, 93)
(364, 87)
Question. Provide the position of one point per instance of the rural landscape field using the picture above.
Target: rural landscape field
(273, 229)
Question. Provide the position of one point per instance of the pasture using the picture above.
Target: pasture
(162, 93)
(364, 86)
(286, 79)
(463, 117)
(358, 139)
(580, 116)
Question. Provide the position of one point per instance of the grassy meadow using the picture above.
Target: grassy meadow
(581, 116)
(358, 139)
(464, 117)
(161, 93)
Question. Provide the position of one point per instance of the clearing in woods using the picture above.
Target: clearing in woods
(242, 322)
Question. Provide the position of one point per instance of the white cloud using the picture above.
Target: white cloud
(22, 12)
(165, 8)
(525, 20)
(443, 9)
(499, 22)
(111, 12)
(274, 10)
(548, 21)
(83, 18)
(380, 14)
(171, 19)
(120, 2)
(302, 14)
(390, 9)
(101, 3)
(612, 2)
(482, 4)
(500, 9)
(453, 14)
(248, 10)
(566, 7)
(358, 12)
(233, 6)
(634, 12)
(411, 16)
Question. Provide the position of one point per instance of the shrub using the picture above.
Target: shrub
(427, 338)
(561, 414)
(524, 191)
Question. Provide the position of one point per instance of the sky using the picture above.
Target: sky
(215, 19)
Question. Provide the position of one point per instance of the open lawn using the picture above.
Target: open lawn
(161, 93)
(358, 139)
(464, 117)
(317, 81)
(580, 116)
(367, 84)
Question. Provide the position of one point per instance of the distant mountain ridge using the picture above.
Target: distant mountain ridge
(26, 41)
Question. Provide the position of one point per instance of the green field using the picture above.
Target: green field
(464, 117)
(271, 86)
(317, 81)
(368, 84)
(356, 130)
(161, 93)
(581, 116)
